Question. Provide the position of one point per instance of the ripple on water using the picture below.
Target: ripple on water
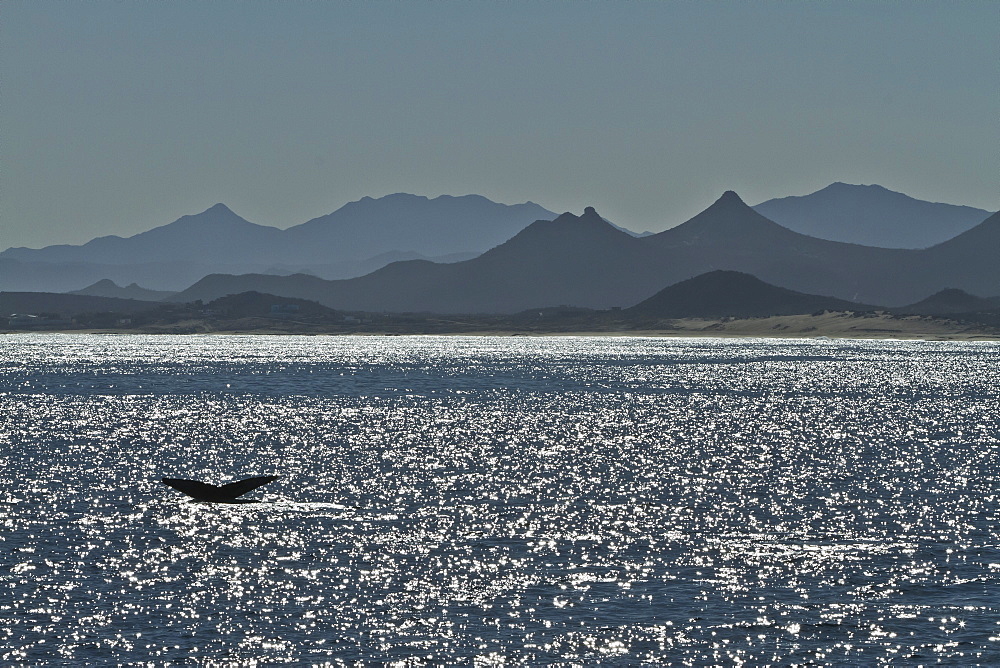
(491, 500)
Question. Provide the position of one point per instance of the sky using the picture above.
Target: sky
(116, 117)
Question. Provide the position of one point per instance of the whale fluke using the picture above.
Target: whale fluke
(202, 491)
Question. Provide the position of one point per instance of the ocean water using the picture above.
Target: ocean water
(500, 501)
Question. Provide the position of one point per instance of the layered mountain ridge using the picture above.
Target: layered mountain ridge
(583, 261)
(578, 261)
(353, 240)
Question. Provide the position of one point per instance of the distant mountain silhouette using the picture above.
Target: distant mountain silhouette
(379, 261)
(722, 293)
(583, 261)
(108, 288)
(731, 235)
(214, 236)
(567, 260)
(949, 302)
(169, 257)
(347, 242)
(871, 216)
(257, 304)
(408, 223)
(981, 244)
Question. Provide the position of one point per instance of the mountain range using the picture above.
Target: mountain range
(580, 261)
(365, 235)
(357, 238)
(583, 261)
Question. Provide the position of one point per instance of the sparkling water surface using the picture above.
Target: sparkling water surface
(492, 501)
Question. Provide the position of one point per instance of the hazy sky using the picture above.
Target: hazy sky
(120, 116)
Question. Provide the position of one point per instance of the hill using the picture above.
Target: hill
(951, 301)
(720, 293)
(108, 288)
(871, 216)
(256, 304)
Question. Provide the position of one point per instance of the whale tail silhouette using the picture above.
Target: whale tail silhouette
(202, 491)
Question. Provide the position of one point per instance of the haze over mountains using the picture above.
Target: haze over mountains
(353, 240)
(581, 261)
(871, 216)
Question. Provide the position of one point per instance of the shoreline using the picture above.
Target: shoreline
(832, 325)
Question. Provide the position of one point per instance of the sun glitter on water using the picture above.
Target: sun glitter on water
(491, 500)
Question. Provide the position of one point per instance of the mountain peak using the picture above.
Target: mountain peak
(218, 211)
(589, 215)
(566, 235)
(215, 215)
(870, 186)
(728, 220)
(871, 215)
(405, 197)
(729, 203)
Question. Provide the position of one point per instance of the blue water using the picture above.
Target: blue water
(499, 501)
